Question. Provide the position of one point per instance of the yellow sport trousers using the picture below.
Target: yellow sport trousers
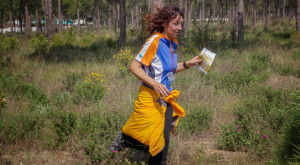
(147, 122)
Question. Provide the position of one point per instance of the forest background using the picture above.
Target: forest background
(66, 89)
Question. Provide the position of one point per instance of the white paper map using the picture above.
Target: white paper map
(207, 60)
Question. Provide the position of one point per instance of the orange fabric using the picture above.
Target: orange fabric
(147, 122)
(151, 52)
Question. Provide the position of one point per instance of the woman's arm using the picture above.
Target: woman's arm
(137, 70)
(191, 62)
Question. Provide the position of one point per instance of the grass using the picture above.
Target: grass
(41, 120)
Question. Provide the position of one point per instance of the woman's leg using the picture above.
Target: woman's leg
(161, 158)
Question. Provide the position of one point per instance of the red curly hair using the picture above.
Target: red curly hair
(154, 22)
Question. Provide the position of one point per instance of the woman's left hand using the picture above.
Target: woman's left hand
(193, 61)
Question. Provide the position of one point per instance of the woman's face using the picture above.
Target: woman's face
(172, 29)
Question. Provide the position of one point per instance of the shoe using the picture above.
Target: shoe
(118, 144)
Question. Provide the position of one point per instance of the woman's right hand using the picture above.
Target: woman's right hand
(161, 89)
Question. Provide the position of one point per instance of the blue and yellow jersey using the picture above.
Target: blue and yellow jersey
(157, 59)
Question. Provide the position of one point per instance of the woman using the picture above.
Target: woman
(156, 111)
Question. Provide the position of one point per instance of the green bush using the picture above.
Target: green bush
(8, 44)
(71, 80)
(96, 132)
(257, 122)
(24, 125)
(91, 90)
(39, 44)
(34, 93)
(197, 119)
(288, 150)
(65, 123)
(59, 100)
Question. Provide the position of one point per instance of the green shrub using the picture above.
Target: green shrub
(87, 39)
(24, 125)
(196, 120)
(39, 44)
(60, 100)
(34, 93)
(96, 132)
(71, 79)
(257, 122)
(288, 148)
(91, 90)
(64, 124)
(8, 44)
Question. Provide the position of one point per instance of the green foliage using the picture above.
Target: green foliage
(123, 59)
(91, 90)
(59, 100)
(197, 119)
(8, 44)
(71, 79)
(96, 132)
(233, 81)
(132, 31)
(23, 125)
(64, 124)
(257, 122)
(40, 45)
(288, 148)
(34, 93)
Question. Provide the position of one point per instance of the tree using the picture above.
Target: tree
(298, 16)
(10, 16)
(60, 16)
(27, 19)
(96, 16)
(240, 21)
(109, 14)
(122, 39)
(203, 15)
(283, 10)
(268, 13)
(138, 15)
(48, 17)
(254, 14)
(78, 18)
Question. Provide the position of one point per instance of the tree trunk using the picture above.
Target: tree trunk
(254, 14)
(189, 14)
(27, 20)
(48, 19)
(20, 20)
(137, 15)
(78, 18)
(122, 40)
(37, 20)
(180, 4)
(298, 16)
(283, 11)
(54, 20)
(114, 16)
(186, 15)
(203, 14)
(268, 13)
(131, 13)
(2, 21)
(240, 21)
(10, 16)
(264, 12)
(60, 16)
(229, 10)
(118, 14)
(218, 14)
(195, 12)
(246, 12)
(109, 14)
(96, 16)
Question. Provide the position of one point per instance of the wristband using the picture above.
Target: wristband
(184, 65)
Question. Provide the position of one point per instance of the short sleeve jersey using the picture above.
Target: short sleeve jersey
(157, 58)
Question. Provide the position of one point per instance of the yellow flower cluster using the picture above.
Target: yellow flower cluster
(93, 79)
(123, 59)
